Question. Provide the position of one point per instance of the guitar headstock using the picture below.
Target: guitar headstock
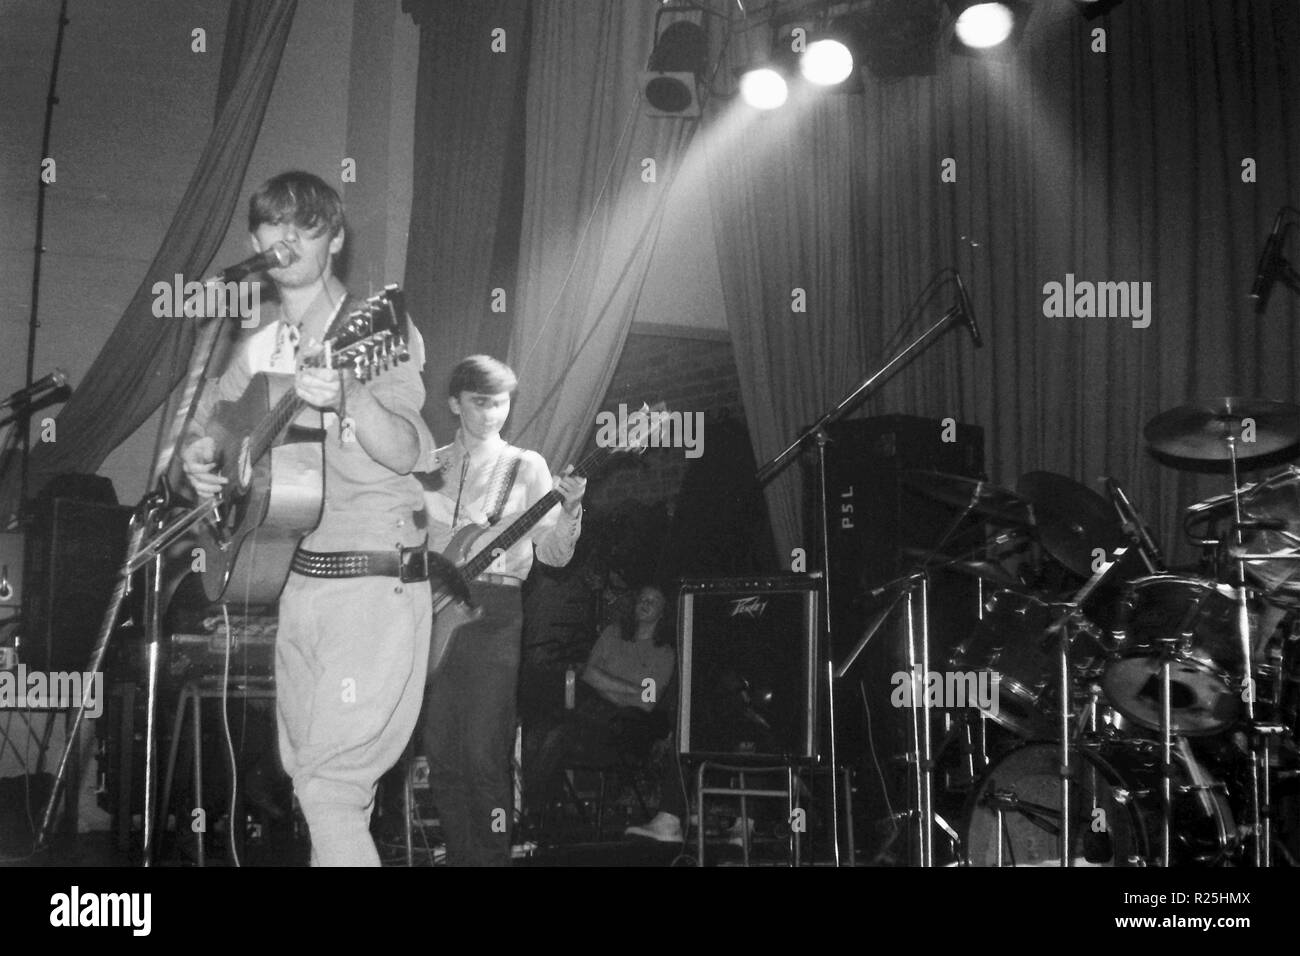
(373, 338)
(645, 428)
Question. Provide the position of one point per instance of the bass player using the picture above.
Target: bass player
(469, 722)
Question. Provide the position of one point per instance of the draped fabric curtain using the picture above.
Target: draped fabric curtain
(1161, 160)
(145, 356)
(468, 189)
(597, 175)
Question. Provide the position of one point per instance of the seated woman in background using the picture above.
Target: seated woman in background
(619, 701)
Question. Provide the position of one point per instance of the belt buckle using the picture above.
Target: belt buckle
(413, 564)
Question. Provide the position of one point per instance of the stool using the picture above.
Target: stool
(195, 692)
(621, 769)
(745, 792)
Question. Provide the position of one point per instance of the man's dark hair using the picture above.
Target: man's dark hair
(482, 374)
(301, 198)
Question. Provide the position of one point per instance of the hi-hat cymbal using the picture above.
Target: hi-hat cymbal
(983, 568)
(999, 505)
(1207, 431)
(1073, 520)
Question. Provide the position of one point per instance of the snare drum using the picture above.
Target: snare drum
(1205, 692)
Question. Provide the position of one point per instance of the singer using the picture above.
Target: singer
(354, 621)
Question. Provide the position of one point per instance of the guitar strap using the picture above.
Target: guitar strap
(504, 480)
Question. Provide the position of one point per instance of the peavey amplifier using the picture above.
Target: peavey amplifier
(749, 652)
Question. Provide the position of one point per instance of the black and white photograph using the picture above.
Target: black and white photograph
(648, 434)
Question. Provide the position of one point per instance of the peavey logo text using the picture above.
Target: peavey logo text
(748, 606)
(102, 909)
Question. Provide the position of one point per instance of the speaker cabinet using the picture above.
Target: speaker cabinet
(880, 527)
(11, 573)
(749, 652)
(75, 549)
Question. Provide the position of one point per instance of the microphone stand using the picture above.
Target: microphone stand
(817, 433)
(149, 538)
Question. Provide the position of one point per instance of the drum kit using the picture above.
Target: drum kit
(1143, 715)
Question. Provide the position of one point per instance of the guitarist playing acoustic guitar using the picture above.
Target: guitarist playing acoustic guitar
(355, 613)
(469, 722)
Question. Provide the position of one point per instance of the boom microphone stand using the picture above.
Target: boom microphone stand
(817, 432)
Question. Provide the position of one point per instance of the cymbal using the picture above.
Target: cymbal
(1073, 520)
(997, 504)
(1206, 431)
(983, 568)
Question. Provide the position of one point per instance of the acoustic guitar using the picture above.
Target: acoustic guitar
(275, 469)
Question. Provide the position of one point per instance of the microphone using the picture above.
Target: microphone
(56, 379)
(278, 255)
(968, 312)
(1266, 271)
(1133, 524)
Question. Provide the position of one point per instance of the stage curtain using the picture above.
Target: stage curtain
(468, 193)
(1160, 159)
(597, 173)
(145, 356)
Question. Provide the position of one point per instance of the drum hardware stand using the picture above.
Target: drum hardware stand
(1133, 527)
(1258, 817)
(922, 762)
(1007, 799)
(1262, 734)
(1168, 652)
(1069, 614)
(817, 432)
(921, 757)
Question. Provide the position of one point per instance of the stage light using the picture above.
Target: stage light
(763, 88)
(671, 80)
(826, 62)
(982, 29)
(985, 25)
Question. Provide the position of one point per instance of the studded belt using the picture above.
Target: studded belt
(408, 564)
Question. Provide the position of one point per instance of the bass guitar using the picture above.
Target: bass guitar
(451, 571)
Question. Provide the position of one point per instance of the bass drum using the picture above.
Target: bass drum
(1116, 809)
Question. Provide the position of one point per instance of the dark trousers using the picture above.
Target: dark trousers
(469, 730)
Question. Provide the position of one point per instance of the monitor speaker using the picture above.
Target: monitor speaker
(74, 551)
(881, 526)
(749, 653)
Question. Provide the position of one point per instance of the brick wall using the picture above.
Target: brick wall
(691, 374)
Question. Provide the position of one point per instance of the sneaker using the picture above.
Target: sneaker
(736, 833)
(665, 827)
